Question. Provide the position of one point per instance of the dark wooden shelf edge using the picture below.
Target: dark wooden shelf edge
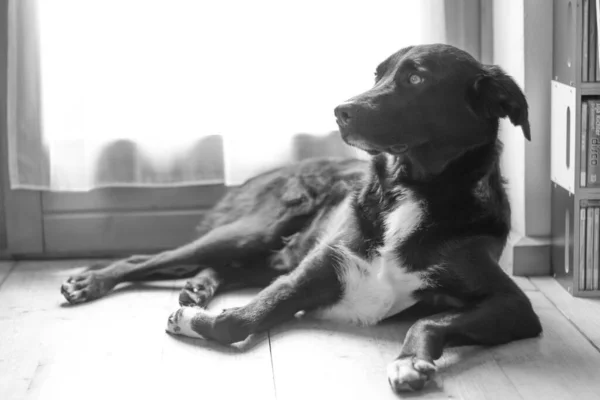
(585, 191)
(590, 88)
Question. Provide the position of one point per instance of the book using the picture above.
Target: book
(585, 47)
(582, 240)
(589, 248)
(596, 264)
(597, 22)
(593, 43)
(583, 149)
(593, 151)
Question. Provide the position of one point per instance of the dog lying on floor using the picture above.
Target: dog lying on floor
(424, 221)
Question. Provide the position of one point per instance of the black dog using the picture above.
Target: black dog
(425, 221)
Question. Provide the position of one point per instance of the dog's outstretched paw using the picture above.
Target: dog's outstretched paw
(180, 322)
(409, 374)
(85, 287)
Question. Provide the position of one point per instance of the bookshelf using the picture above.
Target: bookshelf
(590, 88)
(572, 87)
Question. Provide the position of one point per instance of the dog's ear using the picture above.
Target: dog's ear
(494, 94)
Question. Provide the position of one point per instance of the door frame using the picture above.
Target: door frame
(21, 229)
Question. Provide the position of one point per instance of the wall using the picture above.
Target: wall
(463, 25)
(522, 45)
(538, 22)
(508, 44)
(3, 185)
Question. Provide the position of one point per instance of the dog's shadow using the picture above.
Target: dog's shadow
(456, 363)
(459, 363)
(390, 332)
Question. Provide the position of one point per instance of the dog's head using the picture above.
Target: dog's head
(432, 103)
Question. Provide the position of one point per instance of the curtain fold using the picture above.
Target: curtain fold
(186, 92)
(28, 166)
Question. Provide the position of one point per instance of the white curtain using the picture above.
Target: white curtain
(176, 92)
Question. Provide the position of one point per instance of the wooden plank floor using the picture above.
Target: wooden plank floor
(116, 347)
(583, 312)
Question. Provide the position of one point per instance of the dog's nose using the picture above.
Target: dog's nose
(344, 113)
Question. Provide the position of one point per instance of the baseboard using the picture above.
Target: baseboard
(4, 256)
(527, 256)
(522, 256)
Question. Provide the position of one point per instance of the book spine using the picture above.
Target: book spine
(597, 23)
(589, 248)
(583, 161)
(584, 63)
(593, 43)
(596, 248)
(582, 239)
(593, 156)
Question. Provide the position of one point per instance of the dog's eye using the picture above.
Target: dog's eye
(415, 79)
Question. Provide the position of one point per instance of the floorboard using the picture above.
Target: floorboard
(347, 362)
(583, 312)
(343, 362)
(116, 347)
(353, 366)
(241, 371)
(5, 268)
(524, 283)
(560, 365)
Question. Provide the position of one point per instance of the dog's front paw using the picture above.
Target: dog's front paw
(409, 374)
(180, 322)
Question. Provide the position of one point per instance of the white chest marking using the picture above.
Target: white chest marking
(377, 289)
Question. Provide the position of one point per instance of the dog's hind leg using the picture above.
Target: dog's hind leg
(200, 290)
(244, 238)
(100, 278)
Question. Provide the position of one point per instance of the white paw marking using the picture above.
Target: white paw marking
(409, 374)
(180, 322)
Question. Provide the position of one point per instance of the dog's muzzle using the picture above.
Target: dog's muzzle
(345, 116)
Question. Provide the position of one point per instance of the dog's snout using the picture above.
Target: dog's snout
(344, 113)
